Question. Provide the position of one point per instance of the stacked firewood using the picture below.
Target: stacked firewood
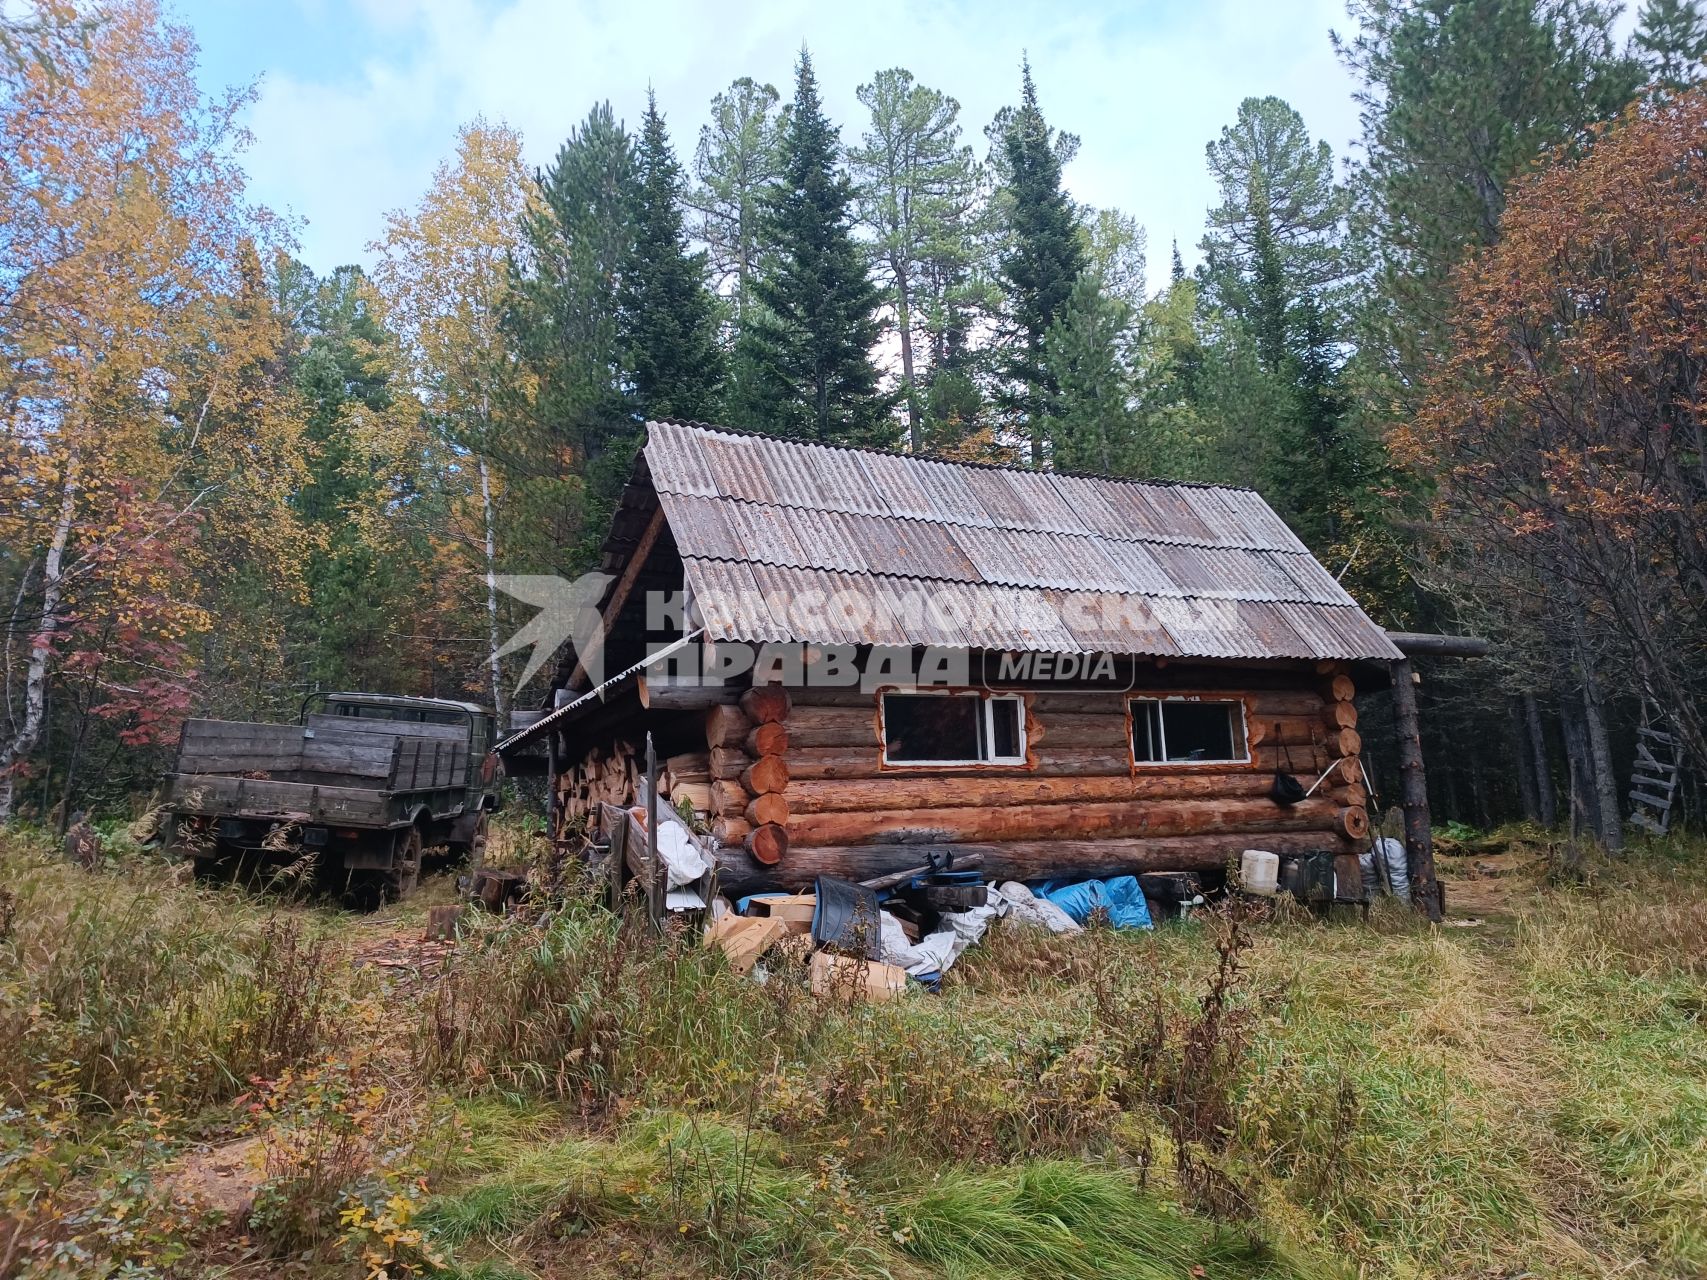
(687, 777)
(600, 777)
(749, 769)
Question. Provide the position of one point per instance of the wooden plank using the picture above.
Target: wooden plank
(387, 728)
(1652, 801)
(1667, 785)
(241, 729)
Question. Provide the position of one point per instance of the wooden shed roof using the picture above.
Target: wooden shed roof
(787, 540)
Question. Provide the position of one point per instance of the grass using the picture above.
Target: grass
(571, 1096)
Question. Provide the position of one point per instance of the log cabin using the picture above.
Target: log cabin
(1116, 669)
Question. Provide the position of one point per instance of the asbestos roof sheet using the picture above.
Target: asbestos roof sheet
(909, 550)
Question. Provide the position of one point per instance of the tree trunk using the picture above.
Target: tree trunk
(1584, 815)
(492, 597)
(1413, 782)
(1527, 787)
(1598, 754)
(1600, 759)
(41, 647)
(71, 772)
(904, 323)
(1547, 801)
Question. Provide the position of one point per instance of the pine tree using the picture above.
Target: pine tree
(1279, 230)
(1045, 256)
(735, 164)
(915, 181)
(1671, 42)
(669, 319)
(1461, 97)
(806, 346)
(1094, 424)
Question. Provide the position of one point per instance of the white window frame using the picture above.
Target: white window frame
(1133, 703)
(987, 722)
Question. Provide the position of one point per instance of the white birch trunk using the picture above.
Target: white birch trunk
(492, 599)
(41, 646)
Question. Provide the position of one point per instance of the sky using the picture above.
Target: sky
(359, 100)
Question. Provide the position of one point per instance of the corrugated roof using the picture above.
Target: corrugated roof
(786, 540)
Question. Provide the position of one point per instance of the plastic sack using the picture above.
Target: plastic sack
(1386, 869)
(683, 861)
(1025, 907)
(1119, 896)
(1398, 867)
(936, 952)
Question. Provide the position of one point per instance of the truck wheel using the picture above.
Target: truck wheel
(222, 867)
(405, 870)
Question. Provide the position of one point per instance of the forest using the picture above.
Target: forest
(1461, 353)
(1462, 357)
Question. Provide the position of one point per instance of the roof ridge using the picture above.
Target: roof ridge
(1154, 482)
(899, 575)
(1158, 540)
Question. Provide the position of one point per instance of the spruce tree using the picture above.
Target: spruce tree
(1045, 256)
(669, 318)
(1094, 425)
(579, 241)
(805, 348)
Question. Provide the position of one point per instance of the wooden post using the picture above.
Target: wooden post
(1413, 791)
(553, 802)
(655, 878)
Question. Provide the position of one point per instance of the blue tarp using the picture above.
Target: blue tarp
(1119, 896)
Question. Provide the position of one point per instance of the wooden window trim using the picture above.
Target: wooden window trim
(1242, 701)
(1007, 764)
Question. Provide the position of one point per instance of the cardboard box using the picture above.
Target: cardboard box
(848, 978)
(794, 908)
(745, 938)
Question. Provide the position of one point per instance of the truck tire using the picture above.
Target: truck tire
(405, 871)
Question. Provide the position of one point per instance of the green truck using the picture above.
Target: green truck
(355, 793)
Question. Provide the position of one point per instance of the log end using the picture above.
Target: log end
(768, 843)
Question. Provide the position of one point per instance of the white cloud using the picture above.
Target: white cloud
(1145, 85)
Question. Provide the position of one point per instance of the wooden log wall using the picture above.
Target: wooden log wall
(1081, 807)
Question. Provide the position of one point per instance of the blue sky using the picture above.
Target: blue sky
(360, 99)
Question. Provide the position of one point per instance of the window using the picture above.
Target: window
(953, 728)
(1188, 731)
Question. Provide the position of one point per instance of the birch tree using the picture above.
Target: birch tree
(443, 271)
(137, 402)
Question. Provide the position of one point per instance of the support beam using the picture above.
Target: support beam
(1414, 644)
(1413, 791)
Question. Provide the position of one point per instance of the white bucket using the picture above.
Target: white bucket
(1259, 872)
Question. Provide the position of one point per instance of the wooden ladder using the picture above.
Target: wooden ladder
(1654, 779)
